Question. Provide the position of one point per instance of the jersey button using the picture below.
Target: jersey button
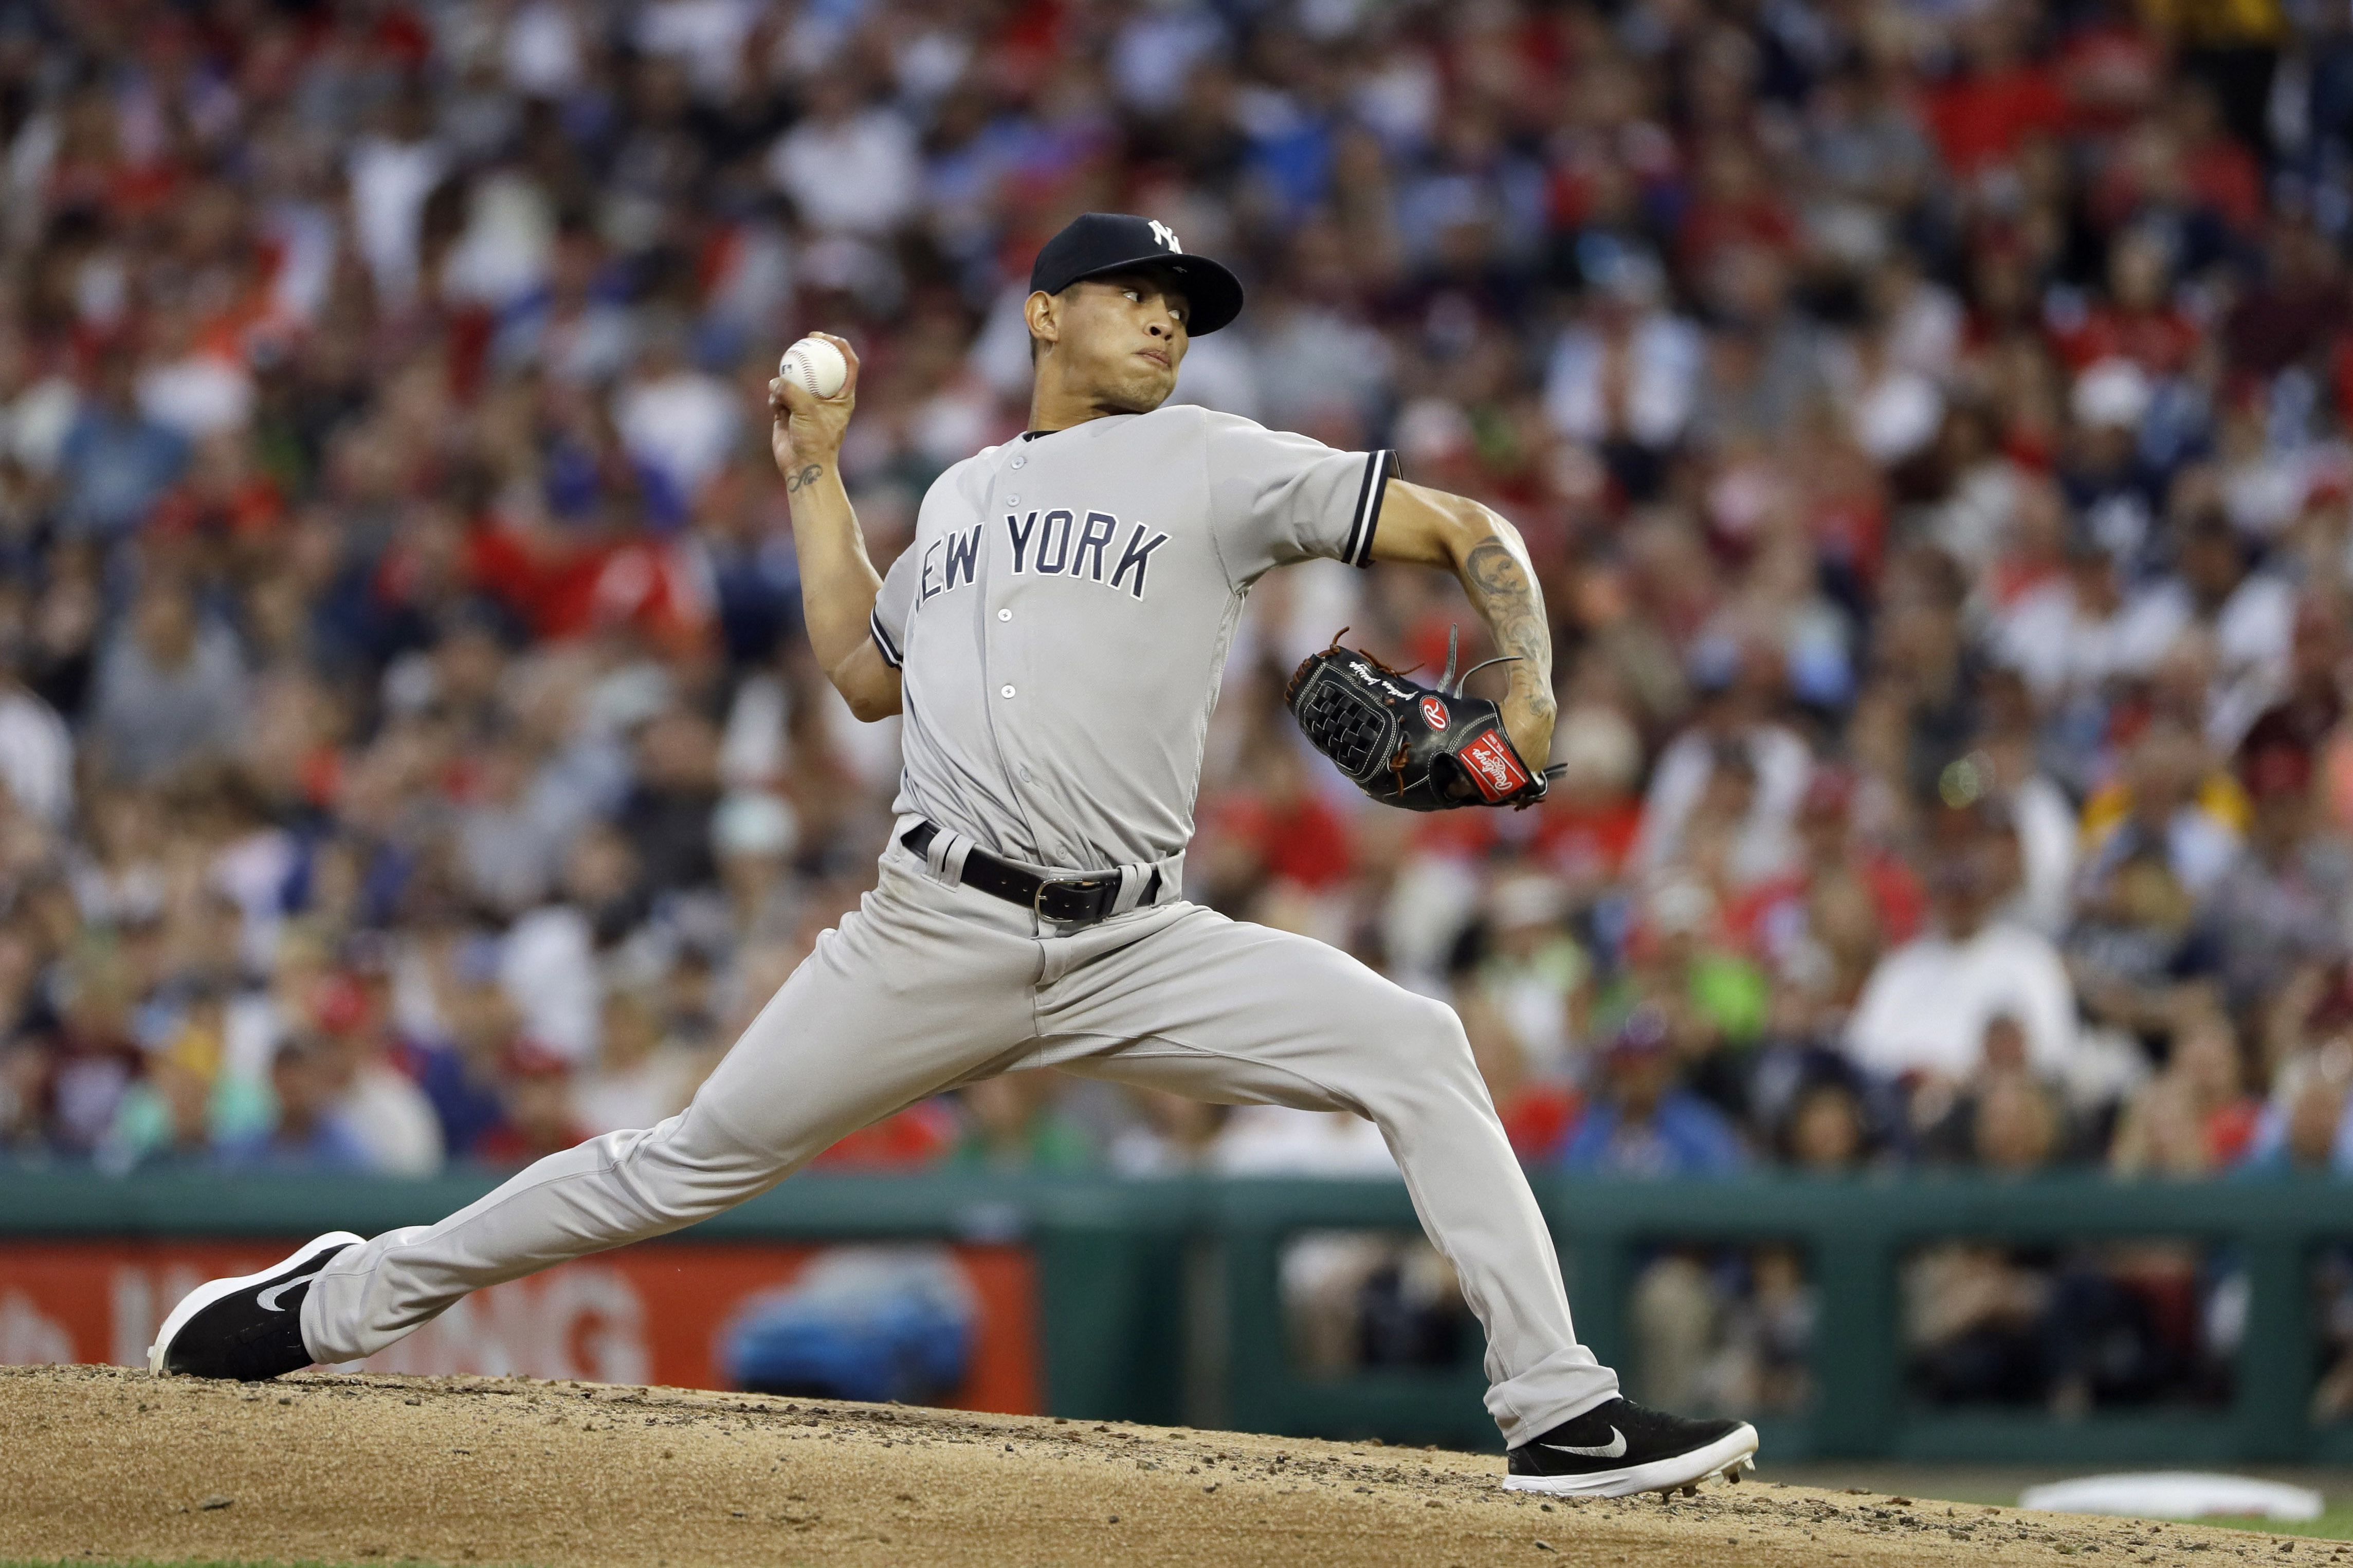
(1019, 461)
(1005, 692)
(1004, 614)
(1012, 501)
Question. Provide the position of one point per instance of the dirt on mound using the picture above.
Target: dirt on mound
(110, 1464)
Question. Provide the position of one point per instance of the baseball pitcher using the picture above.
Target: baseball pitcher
(1054, 638)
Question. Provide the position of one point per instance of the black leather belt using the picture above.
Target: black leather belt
(1065, 900)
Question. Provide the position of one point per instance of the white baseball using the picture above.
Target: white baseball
(814, 366)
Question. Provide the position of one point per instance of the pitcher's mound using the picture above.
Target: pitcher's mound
(104, 1463)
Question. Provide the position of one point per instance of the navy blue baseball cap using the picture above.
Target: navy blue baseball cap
(1096, 242)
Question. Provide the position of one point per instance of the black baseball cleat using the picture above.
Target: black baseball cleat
(1619, 1447)
(249, 1327)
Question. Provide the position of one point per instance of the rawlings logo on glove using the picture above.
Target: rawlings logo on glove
(1423, 748)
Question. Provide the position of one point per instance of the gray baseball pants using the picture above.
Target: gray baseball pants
(930, 985)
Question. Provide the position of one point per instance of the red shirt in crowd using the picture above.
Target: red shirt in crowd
(1579, 841)
(626, 582)
(1301, 840)
(1980, 120)
(1759, 221)
(1896, 892)
(2160, 341)
(1539, 1119)
(2231, 1131)
(918, 1136)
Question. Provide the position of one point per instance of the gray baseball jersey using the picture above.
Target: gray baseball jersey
(1061, 620)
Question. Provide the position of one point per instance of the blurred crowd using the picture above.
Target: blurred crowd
(1925, 418)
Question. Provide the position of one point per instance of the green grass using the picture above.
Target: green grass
(2334, 1523)
(2001, 1484)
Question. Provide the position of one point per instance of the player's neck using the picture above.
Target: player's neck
(1054, 406)
(1049, 414)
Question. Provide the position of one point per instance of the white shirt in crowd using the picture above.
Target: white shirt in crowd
(1662, 368)
(683, 423)
(394, 1121)
(1926, 1006)
(390, 181)
(2059, 648)
(548, 969)
(617, 1100)
(2046, 841)
(36, 756)
(858, 174)
(1783, 765)
(1277, 1141)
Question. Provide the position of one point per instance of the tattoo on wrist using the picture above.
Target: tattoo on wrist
(802, 478)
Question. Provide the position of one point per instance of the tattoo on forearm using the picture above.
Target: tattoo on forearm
(804, 478)
(1502, 592)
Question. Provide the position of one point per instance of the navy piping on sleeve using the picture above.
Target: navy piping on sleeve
(882, 643)
(1380, 468)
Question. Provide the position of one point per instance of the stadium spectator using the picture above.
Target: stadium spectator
(388, 1112)
(1537, 1114)
(1525, 975)
(536, 1113)
(1277, 1141)
(187, 1109)
(1928, 1007)
(308, 1130)
(2195, 1117)
(1823, 1117)
(1770, 919)
(1642, 1123)
(1012, 1124)
(1171, 1135)
(1735, 765)
(641, 1076)
(2279, 907)
(37, 751)
(2306, 1129)
(912, 1140)
(171, 688)
(116, 459)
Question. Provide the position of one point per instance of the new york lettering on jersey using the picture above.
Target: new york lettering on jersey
(948, 563)
(1043, 546)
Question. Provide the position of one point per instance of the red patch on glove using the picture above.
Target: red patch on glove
(1493, 766)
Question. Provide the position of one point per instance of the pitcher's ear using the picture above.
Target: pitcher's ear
(1042, 310)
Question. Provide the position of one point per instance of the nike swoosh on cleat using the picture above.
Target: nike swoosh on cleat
(1613, 1449)
(268, 1301)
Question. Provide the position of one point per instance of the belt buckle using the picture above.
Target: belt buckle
(1048, 885)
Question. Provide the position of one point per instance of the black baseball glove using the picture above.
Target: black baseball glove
(1426, 748)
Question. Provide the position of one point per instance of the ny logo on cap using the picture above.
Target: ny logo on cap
(1166, 235)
